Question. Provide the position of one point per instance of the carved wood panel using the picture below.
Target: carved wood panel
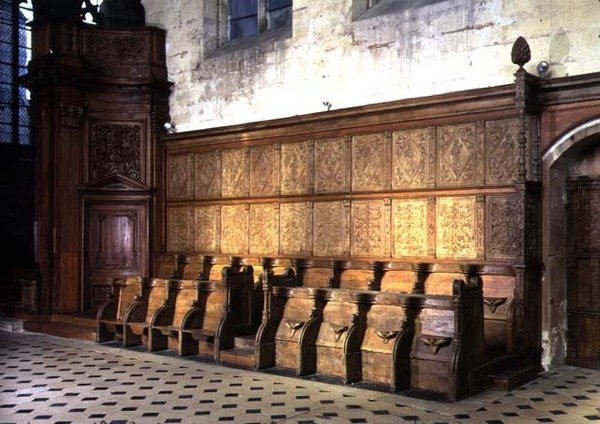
(207, 184)
(235, 172)
(370, 228)
(410, 227)
(180, 177)
(180, 234)
(296, 228)
(117, 46)
(370, 162)
(234, 229)
(264, 170)
(456, 226)
(115, 149)
(588, 224)
(502, 227)
(264, 229)
(413, 159)
(332, 163)
(460, 155)
(296, 168)
(207, 231)
(331, 228)
(502, 151)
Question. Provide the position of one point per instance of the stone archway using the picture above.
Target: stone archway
(574, 154)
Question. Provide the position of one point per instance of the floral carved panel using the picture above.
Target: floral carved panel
(370, 228)
(413, 165)
(332, 163)
(180, 178)
(296, 228)
(126, 47)
(502, 156)
(502, 229)
(410, 227)
(180, 229)
(264, 229)
(264, 170)
(296, 168)
(206, 229)
(207, 175)
(331, 228)
(455, 227)
(115, 149)
(460, 155)
(370, 162)
(234, 229)
(234, 172)
(588, 214)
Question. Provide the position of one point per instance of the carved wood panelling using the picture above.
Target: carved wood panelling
(370, 162)
(588, 228)
(410, 227)
(234, 229)
(264, 170)
(296, 228)
(370, 228)
(124, 47)
(460, 155)
(264, 229)
(456, 226)
(502, 227)
(207, 175)
(331, 228)
(332, 162)
(296, 168)
(502, 155)
(115, 149)
(207, 230)
(413, 159)
(180, 179)
(235, 172)
(180, 232)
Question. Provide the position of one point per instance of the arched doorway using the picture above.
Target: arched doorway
(571, 248)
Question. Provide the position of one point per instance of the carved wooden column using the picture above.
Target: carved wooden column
(100, 99)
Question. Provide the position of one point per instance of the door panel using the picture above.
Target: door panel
(116, 241)
(583, 272)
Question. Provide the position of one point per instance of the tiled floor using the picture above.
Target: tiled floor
(44, 379)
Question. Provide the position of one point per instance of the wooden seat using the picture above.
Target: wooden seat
(139, 316)
(110, 315)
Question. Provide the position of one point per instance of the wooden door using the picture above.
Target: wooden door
(116, 246)
(583, 272)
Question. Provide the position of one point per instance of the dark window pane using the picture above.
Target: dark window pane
(5, 133)
(24, 135)
(242, 8)
(280, 18)
(6, 115)
(243, 27)
(279, 4)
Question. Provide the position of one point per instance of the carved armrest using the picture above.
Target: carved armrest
(338, 330)
(435, 343)
(108, 309)
(494, 303)
(386, 336)
(294, 326)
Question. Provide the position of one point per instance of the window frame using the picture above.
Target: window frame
(263, 21)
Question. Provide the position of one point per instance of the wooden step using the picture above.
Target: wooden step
(509, 379)
(72, 328)
(239, 356)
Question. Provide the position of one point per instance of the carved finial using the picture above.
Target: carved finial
(520, 54)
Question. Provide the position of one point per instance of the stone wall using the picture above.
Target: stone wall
(337, 53)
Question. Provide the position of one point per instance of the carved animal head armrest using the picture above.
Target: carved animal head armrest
(386, 336)
(436, 342)
(294, 326)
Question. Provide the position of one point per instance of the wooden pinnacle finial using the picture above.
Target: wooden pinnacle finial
(521, 54)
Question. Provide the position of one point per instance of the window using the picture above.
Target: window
(252, 17)
(15, 53)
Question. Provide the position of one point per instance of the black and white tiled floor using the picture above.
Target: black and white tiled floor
(45, 379)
